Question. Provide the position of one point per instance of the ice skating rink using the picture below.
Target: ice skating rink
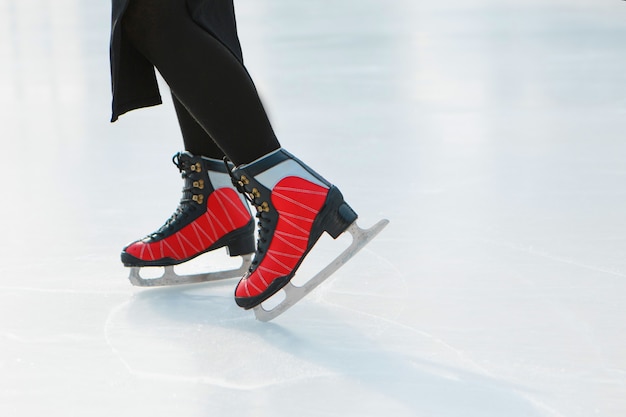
(490, 133)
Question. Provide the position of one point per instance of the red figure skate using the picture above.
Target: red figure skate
(211, 215)
(295, 206)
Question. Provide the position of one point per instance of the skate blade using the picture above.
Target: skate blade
(170, 277)
(293, 293)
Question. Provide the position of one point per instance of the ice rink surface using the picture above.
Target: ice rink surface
(490, 133)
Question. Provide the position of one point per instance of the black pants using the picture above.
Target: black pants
(217, 104)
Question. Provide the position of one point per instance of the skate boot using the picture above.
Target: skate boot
(211, 215)
(295, 206)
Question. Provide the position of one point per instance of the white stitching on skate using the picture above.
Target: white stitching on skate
(299, 237)
(209, 217)
(286, 255)
(300, 190)
(289, 244)
(220, 202)
(253, 286)
(260, 275)
(181, 245)
(171, 248)
(295, 216)
(294, 202)
(216, 221)
(276, 273)
(188, 243)
(238, 207)
(295, 226)
(195, 228)
(276, 260)
(204, 232)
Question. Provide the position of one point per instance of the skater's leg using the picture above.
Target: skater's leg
(211, 214)
(197, 141)
(295, 205)
(204, 75)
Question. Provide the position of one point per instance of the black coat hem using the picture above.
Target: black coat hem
(133, 77)
(120, 109)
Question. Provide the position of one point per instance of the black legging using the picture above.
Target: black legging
(214, 96)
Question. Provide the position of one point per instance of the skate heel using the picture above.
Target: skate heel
(241, 245)
(340, 214)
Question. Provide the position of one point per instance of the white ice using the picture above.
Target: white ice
(489, 132)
